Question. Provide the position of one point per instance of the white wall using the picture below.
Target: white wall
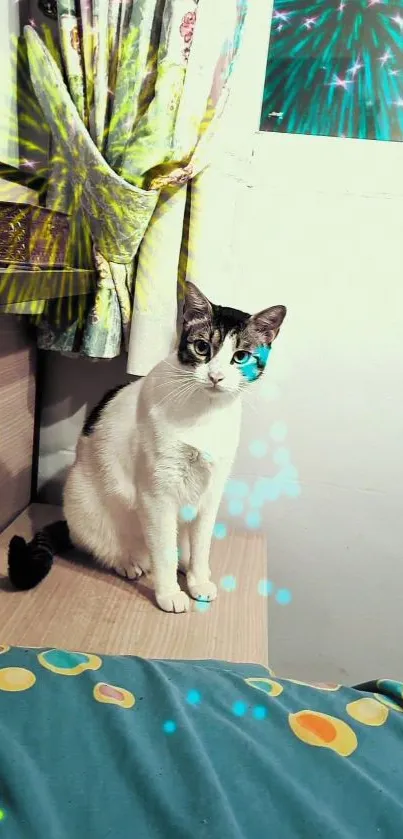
(322, 233)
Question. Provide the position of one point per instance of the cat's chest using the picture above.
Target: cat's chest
(214, 439)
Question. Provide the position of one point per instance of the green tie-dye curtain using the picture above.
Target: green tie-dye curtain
(133, 93)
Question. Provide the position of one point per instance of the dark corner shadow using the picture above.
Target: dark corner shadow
(68, 384)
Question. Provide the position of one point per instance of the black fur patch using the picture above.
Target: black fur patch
(96, 413)
(213, 328)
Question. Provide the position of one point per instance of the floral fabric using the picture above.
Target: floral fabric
(144, 88)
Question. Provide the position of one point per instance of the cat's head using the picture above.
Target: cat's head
(224, 348)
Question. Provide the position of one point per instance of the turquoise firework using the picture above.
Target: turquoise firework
(335, 68)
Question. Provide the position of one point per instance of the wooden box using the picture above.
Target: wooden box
(32, 235)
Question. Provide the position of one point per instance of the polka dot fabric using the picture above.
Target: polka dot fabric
(123, 741)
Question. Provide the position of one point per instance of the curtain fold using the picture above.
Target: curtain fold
(135, 114)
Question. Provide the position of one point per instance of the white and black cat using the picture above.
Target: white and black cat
(154, 456)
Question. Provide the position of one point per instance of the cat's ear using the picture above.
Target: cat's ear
(268, 322)
(195, 304)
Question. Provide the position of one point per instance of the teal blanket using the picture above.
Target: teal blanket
(115, 747)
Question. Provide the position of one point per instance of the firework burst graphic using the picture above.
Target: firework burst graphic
(335, 68)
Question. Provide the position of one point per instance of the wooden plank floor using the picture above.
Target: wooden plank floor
(80, 607)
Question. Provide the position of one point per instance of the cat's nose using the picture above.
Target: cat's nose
(216, 378)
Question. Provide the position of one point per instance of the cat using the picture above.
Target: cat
(154, 456)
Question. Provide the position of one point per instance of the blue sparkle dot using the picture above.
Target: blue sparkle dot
(194, 697)
(253, 519)
(207, 457)
(235, 507)
(289, 472)
(278, 431)
(281, 456)
(169, 727)
(292, 490)
(237, 489)
(228, 583)
(258, 448)
(259, 712)
(202, 605)
(239, 708)
(188, 513)
(265, 587)
(283, 596)
(220, 530)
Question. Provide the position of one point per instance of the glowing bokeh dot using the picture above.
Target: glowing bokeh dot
(292, 490)
(278, 431)
(220, 530)
(239, 708)
(283, 596)
(235, 507)
(258, 448)
(228, 583)
(265, 588)
(2, 815)
(169, 727)
(193, 697)
(253, 519)
(237, 489)
(259, 712)
(188, 512)
(202, 605)
(281, 456)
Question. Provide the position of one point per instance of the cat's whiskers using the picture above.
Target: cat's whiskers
(175, 392)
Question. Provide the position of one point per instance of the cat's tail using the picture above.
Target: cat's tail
(30, 562)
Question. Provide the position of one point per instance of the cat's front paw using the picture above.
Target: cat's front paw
(177, 601)
(130, 571)
(203, 590)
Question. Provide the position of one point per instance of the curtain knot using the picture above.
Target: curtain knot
(177, 177)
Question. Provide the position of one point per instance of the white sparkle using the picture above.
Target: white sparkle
(342, 6)
(399, 20)
(338, 82)
(355, 67)
(399, 102)
(281, 16)
(309, 22)
(387, 55)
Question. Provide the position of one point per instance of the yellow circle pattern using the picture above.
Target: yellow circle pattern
(266, 685)
(367, 711)
(323, 731)
(113, 695)
(14, 679)
(389, 703)
(316, 685)
(68, 663)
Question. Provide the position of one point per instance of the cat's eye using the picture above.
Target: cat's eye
(201, 347)
(241, 356)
